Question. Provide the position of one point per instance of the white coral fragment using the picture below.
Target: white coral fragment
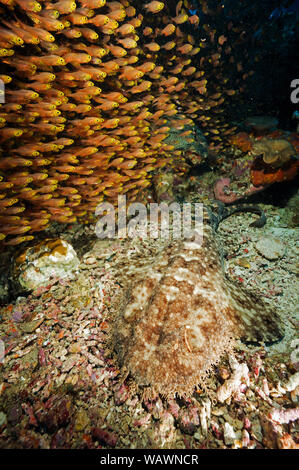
(232, 385)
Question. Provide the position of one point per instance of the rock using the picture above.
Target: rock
(104, 437)
(270, 248)
(35, 266)
(14, 414)
(55, 413)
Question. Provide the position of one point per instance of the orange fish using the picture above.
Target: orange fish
(147, 31)
(73, 33)
(48, 60)
(131, 73)
(110, 123)
(76, 58)
(152, 46)
(10, 37)
(106, 105)
(67, 158)
(182, 18)
(169, 45)
(64, 6)
(222, 39)
(128, 43)
(78, 18)
(146, 67)
(136, 22)
(82, 108)
(168, 30)
(5, 78)
(115, 5)
(96, 51)
(194, 20)
(7, 133)
(116, 51)
(89, 34)
(22, 65)
(93, 3)
(130, 11)
(5, 185)
(117, 15)
(115, 96)
(50, 24)
(99, 20)
(29, 5)
(185, 49)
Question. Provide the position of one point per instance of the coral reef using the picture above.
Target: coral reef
(242, 141)
(262, 174)
(60, 388)
(263, 161)
(36, 265)
(224, 194)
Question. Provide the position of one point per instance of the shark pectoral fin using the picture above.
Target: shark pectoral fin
(256, 320)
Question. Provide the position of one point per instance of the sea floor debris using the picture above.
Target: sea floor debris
(61, 388)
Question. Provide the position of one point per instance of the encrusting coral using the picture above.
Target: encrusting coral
(182, 316)
(91, 90)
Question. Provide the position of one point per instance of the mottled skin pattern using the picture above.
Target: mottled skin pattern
(181, 318)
